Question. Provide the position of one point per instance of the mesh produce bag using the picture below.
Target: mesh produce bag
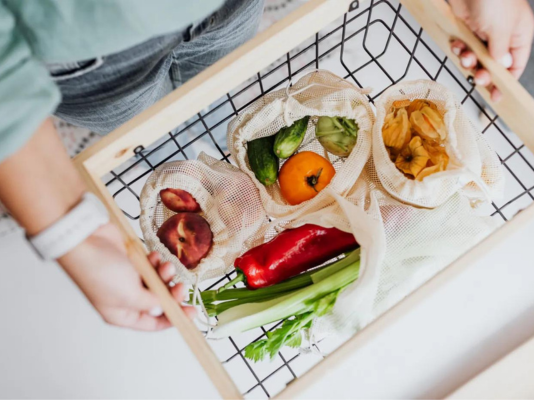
(473, 168)
(319, 93)
(229, 201)
(422, 242)
(418, 244)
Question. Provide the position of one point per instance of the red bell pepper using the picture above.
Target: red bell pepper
(290, 253)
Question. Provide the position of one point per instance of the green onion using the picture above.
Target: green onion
(244, 295)
(252, 315)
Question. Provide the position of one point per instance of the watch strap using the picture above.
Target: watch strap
(72, 229)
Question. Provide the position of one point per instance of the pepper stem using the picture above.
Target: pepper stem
(314, 180)
(239, 278)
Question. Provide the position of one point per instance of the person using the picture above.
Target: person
(97, 64)
(507, 27)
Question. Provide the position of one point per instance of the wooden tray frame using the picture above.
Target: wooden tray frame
(437, 20)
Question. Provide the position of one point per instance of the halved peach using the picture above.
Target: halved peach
(188, 236)
(179, 200)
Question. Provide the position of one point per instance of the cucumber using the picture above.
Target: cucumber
(262, 160)
(290, 138)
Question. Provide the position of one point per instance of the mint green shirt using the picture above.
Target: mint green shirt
(33, 32)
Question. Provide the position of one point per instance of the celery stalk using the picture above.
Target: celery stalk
(216, 309)
(323, 273)
(252, 315)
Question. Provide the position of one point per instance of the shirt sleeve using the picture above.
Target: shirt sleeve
(28, 94)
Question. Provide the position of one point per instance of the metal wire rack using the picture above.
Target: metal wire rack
(375, 46)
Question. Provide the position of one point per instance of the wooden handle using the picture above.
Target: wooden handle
(517, 106)
(138, 256)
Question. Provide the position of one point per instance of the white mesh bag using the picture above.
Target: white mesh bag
(229, 201)
(319, 93)
(418, 244)
(473, 168)
(422, 242)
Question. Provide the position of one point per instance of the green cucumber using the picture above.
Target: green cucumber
(262, 160)
(289, 139)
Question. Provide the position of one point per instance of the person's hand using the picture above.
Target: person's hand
(507, 27)
(99, 266)
(103, 272)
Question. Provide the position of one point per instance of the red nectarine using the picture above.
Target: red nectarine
(179, 200)
(188, 236)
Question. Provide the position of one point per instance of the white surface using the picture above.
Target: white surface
(53, 345)
(510, 378)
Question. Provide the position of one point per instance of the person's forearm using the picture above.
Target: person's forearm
(39, 183)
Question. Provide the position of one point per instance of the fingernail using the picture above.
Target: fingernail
(467, 62)
(173, 269)
(507, 61)
(456, 50)
(155, 311)
(496, 97)
(480, 82)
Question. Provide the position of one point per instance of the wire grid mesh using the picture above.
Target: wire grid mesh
(375, 46)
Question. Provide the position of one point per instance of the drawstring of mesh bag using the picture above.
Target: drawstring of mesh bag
(290, 94)
(197, 301)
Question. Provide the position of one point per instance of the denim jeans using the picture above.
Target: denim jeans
(104, 93)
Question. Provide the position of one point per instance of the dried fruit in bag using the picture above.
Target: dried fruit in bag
(396, 130)
(429, 124)
(188, 236)
(414, 132)
(429, 171)
(413, 158)
(418, 104)
(401, 104)
(436, 120)
(303, 176)
(437, 154)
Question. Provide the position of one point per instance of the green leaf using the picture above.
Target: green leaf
(289, 334)
(294, 340)
(284, 334)
(256, 351)
(325, 303)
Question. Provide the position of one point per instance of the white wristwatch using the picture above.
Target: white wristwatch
(72, 229)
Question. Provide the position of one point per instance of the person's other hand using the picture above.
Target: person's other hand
(103, 272)
(507, 27)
